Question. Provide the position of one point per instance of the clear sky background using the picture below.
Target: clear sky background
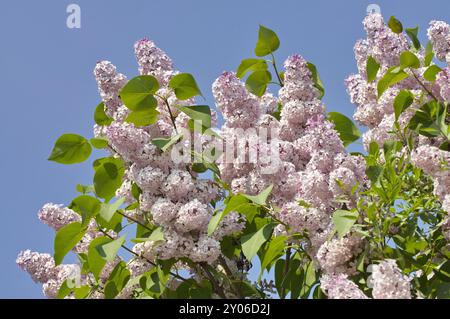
(47, 87)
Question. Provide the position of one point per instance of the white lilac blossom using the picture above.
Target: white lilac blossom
(389, 282)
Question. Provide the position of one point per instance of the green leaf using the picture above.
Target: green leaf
(395, 25)
(429, 54)
(409, 60)
(184, 86)
(87, 206)
(343, 221)
(164, 143)
(257, 82)
(115, 223)
(107, 210)
(117, 280)
(64, 290)
(99, 142)
(70, 149)
(107, 179)
(157, 235)
(82, 292)
(274, 250)
(372, 67)
(85, 189)
(200, 113)
(348, 131)
(142, 117)
(136, 191)
(252, 243)
(250, 65)
(402, 101)
(204, 291)
(137, 94)
(392, 76)
(100, 117)
(95, 260)
(66, 238)
(108, 251)
(309, 279)
(316, 79)
(412, 34)
(431, 72)
(261, 198)
(267, 43)
(233, 204)
(374, 172)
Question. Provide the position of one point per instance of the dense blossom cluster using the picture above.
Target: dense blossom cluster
(338, 286)
(385, 47)
(173, 196)
(300, 154)
(387, 282)
(42, 268)
(378, 114)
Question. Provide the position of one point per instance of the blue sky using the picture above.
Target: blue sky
(47, 87)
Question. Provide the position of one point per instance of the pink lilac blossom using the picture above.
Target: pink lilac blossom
(335, 256)
(338, 286)
(389, 282)
(42, 269)
(439, 35)
(110, 82)
(443, 83)
(57, 216)
(311, 156)
(152, 60)
(172, 196)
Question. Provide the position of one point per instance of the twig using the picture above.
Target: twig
(285, 272)
(134, 220)
(229, 273)
(423, 85)
(276, 70)
(142, 257)
(216, 286)
(172, 118)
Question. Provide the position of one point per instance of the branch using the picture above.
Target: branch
(216, 286)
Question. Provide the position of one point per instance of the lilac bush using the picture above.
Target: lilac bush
(274, 184)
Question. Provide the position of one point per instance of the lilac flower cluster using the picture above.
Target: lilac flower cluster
(173, 197)
(387, 282)
(378, 114)
(42, 268)
(300, 154)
